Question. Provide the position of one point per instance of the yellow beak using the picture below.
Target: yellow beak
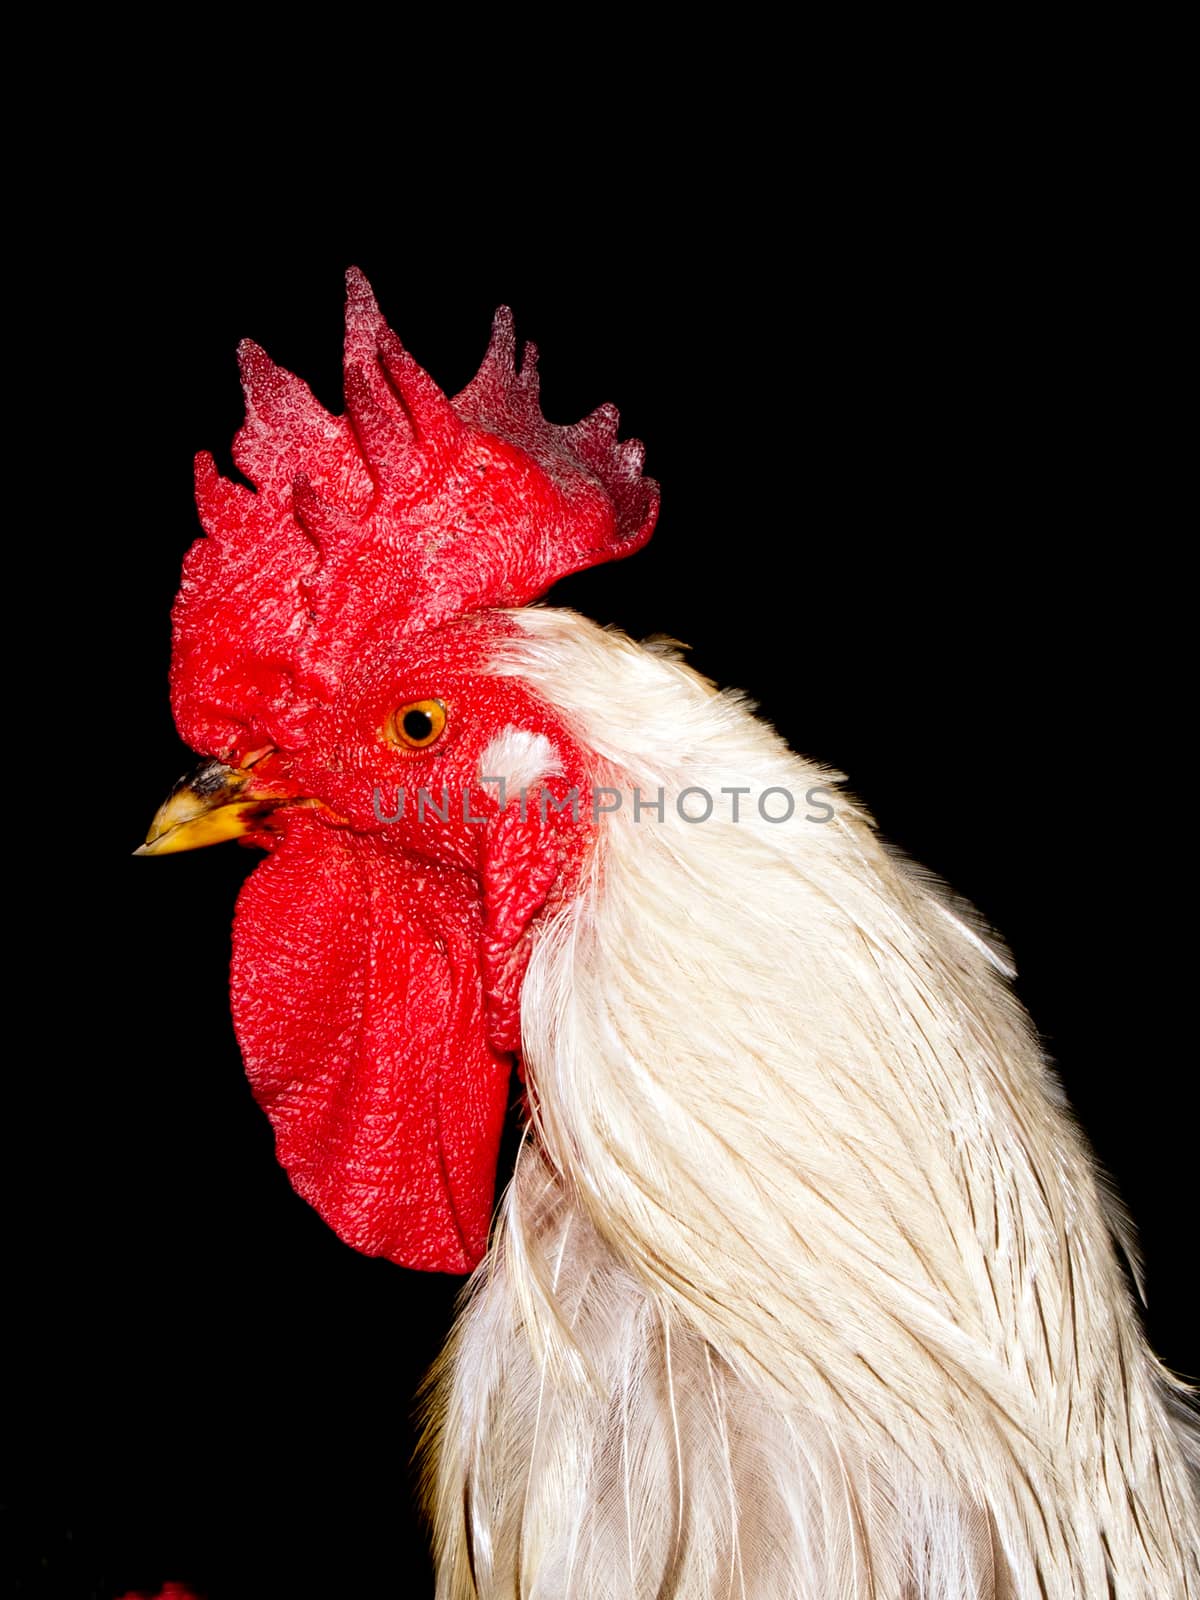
(213, 803)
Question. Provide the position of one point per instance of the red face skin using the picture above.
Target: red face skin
(377, 964)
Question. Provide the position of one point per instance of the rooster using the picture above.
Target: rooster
(805, 1286)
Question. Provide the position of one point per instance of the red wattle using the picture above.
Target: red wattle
(358, 1003)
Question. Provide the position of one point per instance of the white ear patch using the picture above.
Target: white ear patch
(521, 758)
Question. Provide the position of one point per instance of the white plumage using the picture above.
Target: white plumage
(805, 1286)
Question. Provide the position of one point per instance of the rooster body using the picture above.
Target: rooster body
(805, 1284)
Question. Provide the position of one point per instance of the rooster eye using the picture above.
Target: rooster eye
(419, 723)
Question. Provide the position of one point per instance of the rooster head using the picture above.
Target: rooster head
(331, 638)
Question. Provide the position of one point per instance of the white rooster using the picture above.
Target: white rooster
(805, 1287)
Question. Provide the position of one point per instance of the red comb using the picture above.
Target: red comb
(408, 511)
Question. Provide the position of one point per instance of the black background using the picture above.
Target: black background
(910, 408)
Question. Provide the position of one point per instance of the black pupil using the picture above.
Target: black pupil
(418, 725)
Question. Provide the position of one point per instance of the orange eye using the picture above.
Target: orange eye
(419, 723)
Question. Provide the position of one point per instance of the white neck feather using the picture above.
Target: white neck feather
(806, 1287)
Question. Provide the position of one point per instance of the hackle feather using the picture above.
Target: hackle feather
(805, 1285)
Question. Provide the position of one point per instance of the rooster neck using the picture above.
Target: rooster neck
(804, 1255)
